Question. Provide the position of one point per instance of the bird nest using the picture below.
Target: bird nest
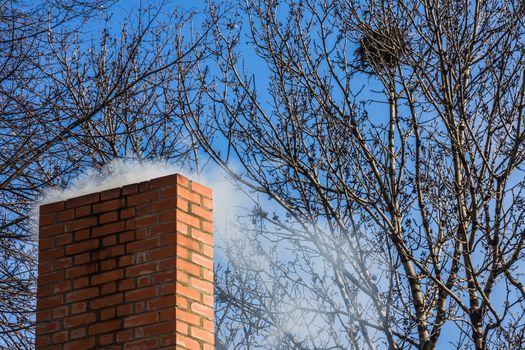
(381, 49)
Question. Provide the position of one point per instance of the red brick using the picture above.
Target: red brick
(110, 194)
(163, 228)
(104, 327)
(60, 312)
(207, 226)
(46, 243)
(206, 311)
(60, 337)
(151, 343)
(164, 205)
(50, 302)
(78, 333)
(126, 236)
(204, 286)
(127, 213)
(140, 320)
(83, 211)
(44, 289)
(203, 237)
(61, 287)
(159, 328)
(168, 239)
(81, 224)
(167, 264)
(188, 267)
(189, 293)
(49, 231)
(182, 302)
(81, 247)
(109, 264)
(160, 253)
(188, 195)
(80, 283)
(166, 276)
(109, 241)
(51, 254)
(41, 340)
(126, 284)
(106, 301)
(52, 277)
(186, 342)
(144, 221)
(82, 258)
(188, 219)
(108, 288)
(168, 289)
(188, 317)
(108, 217)
(142, 269)
(81, 294)
(80, 320)
(108, 339)
(66, 215)
(168, 301)
(167, 216)
(143, 198)
(200, 189)
(144, 186)
(125, 260)
(45, 267)
(141, 294)
(166, 314)
(124, 310)
(82, 200)
(46, 326)
(109, 205)
(202, 213)
(182, 327)
(164, 181)
(202, 261)
(108, 313)
(63, 239)
(144, 244)
(82, 235)
(188, 242)
(108, 229)
(207, 275)
(109, 252)
(81, 344)
(124, 335)
(107, 277)
(143, 281)
(207, 203)
(168, 192)
(202, 334)
(208, 325)
(51, 207)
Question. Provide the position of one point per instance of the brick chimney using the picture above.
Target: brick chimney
(127, 268)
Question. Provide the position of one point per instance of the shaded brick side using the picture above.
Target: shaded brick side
(127, 268)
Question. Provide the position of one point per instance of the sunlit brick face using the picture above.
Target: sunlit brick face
(127, 268)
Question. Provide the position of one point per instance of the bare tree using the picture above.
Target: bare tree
(71, 98)
(389, 138)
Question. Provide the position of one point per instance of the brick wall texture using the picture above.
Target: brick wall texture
(127, 268)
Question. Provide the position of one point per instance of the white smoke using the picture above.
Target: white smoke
(117, 173)
(121, 172)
